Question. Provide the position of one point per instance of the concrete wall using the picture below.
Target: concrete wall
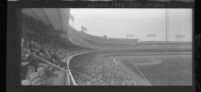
(165, 46)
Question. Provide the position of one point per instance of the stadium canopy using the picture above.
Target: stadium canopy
(57, 18)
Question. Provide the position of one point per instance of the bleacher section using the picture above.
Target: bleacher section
(87, 40)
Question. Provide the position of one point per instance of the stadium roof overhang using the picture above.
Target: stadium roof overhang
(57, 18)
(52, 22)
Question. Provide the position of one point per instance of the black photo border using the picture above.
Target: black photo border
(13, 48)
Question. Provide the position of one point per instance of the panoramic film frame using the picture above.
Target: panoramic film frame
(22, 5)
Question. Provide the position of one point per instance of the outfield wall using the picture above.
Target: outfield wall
(165, 46)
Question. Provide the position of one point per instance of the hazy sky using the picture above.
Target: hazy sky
(117, 23)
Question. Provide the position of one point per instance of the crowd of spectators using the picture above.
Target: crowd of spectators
(34, 70)
(101, 73)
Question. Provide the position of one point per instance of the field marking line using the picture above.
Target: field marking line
(69, 59)
(141, 73)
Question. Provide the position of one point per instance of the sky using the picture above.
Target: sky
(119, 22)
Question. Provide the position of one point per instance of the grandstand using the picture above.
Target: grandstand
(91, 41)
(96, 42)
(46, 47)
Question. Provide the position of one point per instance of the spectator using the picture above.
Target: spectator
(41, 52)
(33, 62)
(55, 58)
(24, 69)
(22, 42)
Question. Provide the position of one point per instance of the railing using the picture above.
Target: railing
(56, 66)
(51, 63)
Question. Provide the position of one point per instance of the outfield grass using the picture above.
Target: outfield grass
(174, 69)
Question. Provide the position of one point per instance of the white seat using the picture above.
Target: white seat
(33, 75)
(40, 69)
(25, 82)
(36, 81)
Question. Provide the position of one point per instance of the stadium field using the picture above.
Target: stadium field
(164, 68)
